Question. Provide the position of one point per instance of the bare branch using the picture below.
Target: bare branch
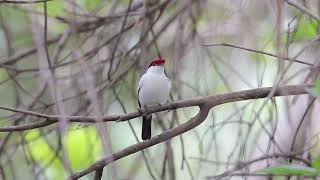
(200, 117)
(255, 160)
(205, 104)
(23, 2)
(303, 9)
(212, 100)
(261, 52)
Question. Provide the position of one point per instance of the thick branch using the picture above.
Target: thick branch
(205, 104)
(212, 100)
(198, 119)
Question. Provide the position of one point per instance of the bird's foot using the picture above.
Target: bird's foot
(140, 110)
(143, 111)
(168, 102)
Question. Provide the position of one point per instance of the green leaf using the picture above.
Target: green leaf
(312, 91)
(54, 8)
(315, 91)
(316, 163)
(318, 87)
(41, 152)
(307, 29)
(91, 4)
(290, 170)
(83, 147)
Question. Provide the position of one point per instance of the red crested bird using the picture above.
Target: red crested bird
(154, 89)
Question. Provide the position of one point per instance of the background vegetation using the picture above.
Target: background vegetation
(68, 65)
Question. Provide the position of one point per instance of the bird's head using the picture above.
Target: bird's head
(157, 62)
(157, 66)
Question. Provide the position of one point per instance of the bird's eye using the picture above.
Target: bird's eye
(153, 65)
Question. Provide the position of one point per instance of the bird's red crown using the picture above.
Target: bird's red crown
(157, 62)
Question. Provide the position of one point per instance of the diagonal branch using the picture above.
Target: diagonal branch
(198, 119)
(261, 52)
(205, 104)
(303, 9)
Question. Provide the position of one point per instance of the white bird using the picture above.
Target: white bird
(154, 89)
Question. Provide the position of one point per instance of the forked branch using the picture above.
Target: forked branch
(205, 104)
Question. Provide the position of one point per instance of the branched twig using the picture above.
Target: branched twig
(261, 52)
(303, 9)
(205, 105)
(246, 164)
(24, 2)
(212, 100)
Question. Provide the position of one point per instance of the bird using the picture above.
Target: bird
(153, 89)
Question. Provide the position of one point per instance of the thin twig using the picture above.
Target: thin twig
(303, 9)
(24, 2)
(260, 52)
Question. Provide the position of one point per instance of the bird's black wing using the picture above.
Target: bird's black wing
(138, 97)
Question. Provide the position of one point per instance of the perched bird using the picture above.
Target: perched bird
(154, 89)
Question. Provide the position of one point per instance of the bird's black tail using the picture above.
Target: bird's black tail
(146, 127)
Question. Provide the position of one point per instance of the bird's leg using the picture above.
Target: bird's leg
(168, 102)
(140, 110)
(143, 110)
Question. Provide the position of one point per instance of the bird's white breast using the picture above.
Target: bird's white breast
(154, 89)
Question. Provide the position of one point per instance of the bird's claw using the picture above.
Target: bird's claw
(140, 110)
(168, 104)
(143, 111)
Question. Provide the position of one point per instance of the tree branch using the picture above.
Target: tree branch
(212, 100)
(24, 2)
(262, 52)
(303, 9)
(205, 104)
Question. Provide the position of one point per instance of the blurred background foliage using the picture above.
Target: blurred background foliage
(230, 133)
